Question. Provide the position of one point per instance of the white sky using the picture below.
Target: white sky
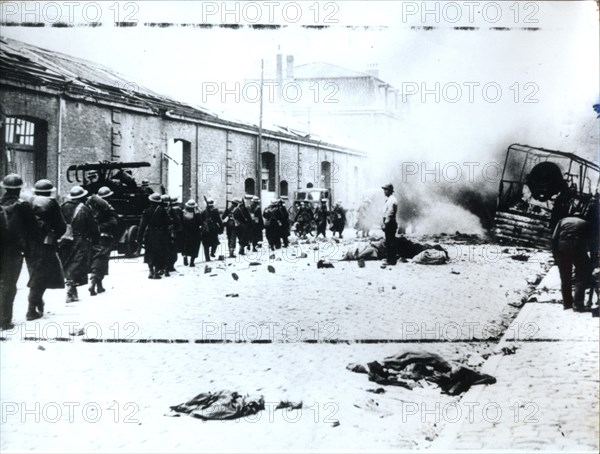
(559, 62)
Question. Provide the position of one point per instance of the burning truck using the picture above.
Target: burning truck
(538, 188)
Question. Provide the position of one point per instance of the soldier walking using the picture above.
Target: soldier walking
(174, 233)
(76, 252)
(154, 234)
(338, 219)
(321, 217)
(243, 223)
(21, 228)
(45, 268)
(211, 227)
(271, 226)
(230, 226)
(257, 223)
(191, 232)
(284, 222)
(108, 221)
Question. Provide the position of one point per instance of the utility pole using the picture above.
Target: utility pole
(258, 185)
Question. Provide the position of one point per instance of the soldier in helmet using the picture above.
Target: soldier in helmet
(211, 226)
(243, 222)
(108, 223)
(154, 234)
(321, 217)
(284, 222)
(76, 253)
(230, 226)
(21, 228)
(338, 219)
(272, 225)
(257, 223)
(145, 188)
(191, 232)
(45, 269)
(174, 228)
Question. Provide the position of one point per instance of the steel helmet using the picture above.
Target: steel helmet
(154, 197)
(43, 185)
(77, 192)
(104, 192)
(12, 181)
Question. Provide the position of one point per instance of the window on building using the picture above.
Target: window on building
(283, 188)
(249, 186)
(19, 132)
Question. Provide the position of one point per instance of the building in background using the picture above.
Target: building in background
(356, 107)
(59, 110)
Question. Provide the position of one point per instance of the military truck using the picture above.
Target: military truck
(539, 187)
(129, 199)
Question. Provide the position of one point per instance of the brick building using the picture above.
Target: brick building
(58, 110)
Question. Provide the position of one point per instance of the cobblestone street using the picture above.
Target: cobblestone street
(124, 357)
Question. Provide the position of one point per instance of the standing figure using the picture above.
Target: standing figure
(191, 233)
(45, 269)
(174, 229)
(321, 217)
(154, 234)
(284, 218)
(390, 225)
(21, 227)
(146, 189)
(230, 226)
(304, 219)
(243, 222)
(570, 249)
(108, 222)
(76, 254)
(271, 226)
(362, 221)
(338, 219)
(257, 223)
(211, 227)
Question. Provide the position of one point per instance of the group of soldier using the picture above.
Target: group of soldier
(306, 218)
(63, 246)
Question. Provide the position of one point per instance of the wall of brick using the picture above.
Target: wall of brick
(91, 133)
(19, 103)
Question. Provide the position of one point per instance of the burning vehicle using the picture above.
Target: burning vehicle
(538, 188)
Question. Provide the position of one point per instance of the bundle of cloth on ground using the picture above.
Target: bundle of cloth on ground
(406, 369)
(222, 405)
(424, 253)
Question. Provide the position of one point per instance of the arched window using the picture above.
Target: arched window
(326, 174)
(283, 188)
(249, 186)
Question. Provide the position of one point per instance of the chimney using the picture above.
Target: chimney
(289, 69)
(372, 69)
(279, 68)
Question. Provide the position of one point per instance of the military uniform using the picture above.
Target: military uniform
(191, 232)
(211, 226)
(154, 233)
(284, 227)
(243, 223)
(108, 221)
(76, 255)
(570, 248)
(321, 217)
(21, 229)
(45, 268)
(272, 226)
(338, 220)
(230, 229)
(257, 223)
